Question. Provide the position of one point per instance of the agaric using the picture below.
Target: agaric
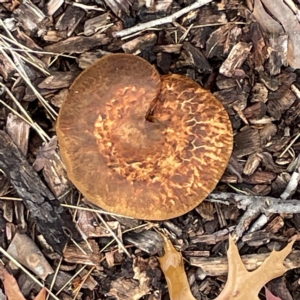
(139, 144)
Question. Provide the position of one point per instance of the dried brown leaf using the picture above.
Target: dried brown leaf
(11, 287)
(41, 295)
(242, 284)
(172, 266)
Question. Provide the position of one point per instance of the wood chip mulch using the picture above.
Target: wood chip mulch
(44, 45)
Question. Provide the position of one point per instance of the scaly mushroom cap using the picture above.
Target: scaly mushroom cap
(140, 144)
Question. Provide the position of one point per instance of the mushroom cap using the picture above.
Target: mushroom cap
(139, 144)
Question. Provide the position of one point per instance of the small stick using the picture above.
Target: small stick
(165, 20)
(254, 206)
(264, 204)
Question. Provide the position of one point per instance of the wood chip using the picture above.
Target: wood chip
(235, 59)
(138, 44)
(29, 16)
(78, 44)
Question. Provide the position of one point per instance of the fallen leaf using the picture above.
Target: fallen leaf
(242, 284)
(270, 296)
(41, 295)
(172, 266)
(11, 287)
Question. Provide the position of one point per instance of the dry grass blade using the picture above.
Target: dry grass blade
(26, 118)
(114, 236)
(19, 68)
(27, 50)
(99, 211)
(86, 7)
(82, 283)
(26, 271)
(12, 39)
(96, 210)
(23, 74)
(30, 60)
(54, 276)
(71, 279)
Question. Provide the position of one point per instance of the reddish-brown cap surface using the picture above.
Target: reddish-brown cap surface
(154, 168)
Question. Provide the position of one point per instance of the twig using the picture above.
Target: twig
(255, 205)
(264, 203)
(262, 208)
(165, 20)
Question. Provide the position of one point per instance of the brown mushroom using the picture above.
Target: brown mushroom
(140, 144)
